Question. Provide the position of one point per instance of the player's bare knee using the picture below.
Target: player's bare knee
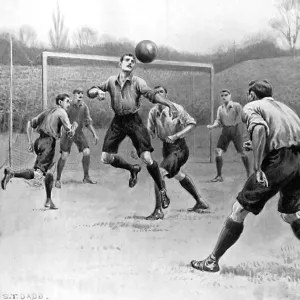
(238, 213)
(107, 158)
(147, 158)
(290, 218)
(218, 151)
(179, 176)
(86, 152)
(64, 155)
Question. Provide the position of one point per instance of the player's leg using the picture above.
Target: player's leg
(289, 202)
(86, 161)
(252, 199)
(65, 149)
(187, 183)
(45, 150)
(27, 174)
(49, 179)
(229, 235)
(114, 136)
(238, 144)
(175, 157)
(158, 212)
(222, 145)
(219, 165)
(141, 140)
(83, 146)
(154, 171)
(9, 174)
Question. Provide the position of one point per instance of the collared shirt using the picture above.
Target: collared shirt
(229, 115)
(162, 125)
(80, 113)
(125, 99)
(51, 120)
(281, 123)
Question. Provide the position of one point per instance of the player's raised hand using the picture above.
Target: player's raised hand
(261, 178)
(30, 148)
(209, 127)
(247, 146)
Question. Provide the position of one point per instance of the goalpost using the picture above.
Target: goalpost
(187, 84)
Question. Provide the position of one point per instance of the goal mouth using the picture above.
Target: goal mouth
(189, 84)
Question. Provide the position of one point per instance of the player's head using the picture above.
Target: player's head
(225, 95)
(161, 90)
(259, 89)
(127, 62)
(78, 94)
(63, 100)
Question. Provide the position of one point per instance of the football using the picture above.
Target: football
(146, 51)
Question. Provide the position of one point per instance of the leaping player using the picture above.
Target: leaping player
(48, 124)
(125, 91)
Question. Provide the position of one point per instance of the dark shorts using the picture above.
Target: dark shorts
(175, 156)
(79, 139)
(282, 169)
(130, 125)
(231, 133)
(44, 147)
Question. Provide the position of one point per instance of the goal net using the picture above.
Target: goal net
(35, 88)
(188, 84)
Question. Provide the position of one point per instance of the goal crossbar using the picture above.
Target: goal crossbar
(174, 65)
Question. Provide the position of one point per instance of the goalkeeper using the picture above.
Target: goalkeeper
(48, 124)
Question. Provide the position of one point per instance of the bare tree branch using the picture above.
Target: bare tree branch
(27, 36)
(59, 34)
(287, 22)
(85, 37)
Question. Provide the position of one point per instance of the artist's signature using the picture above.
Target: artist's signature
(23, 296)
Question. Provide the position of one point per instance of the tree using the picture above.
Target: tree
(27, 36)
(287, 23)
(85, 37)
(59, 34)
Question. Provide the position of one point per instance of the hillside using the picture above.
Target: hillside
(282, 72)
(188, 88)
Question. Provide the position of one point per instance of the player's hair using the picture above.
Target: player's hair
(225, 91)
(161, 86)
(127, 54)
(261, 88)
(61, 97)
